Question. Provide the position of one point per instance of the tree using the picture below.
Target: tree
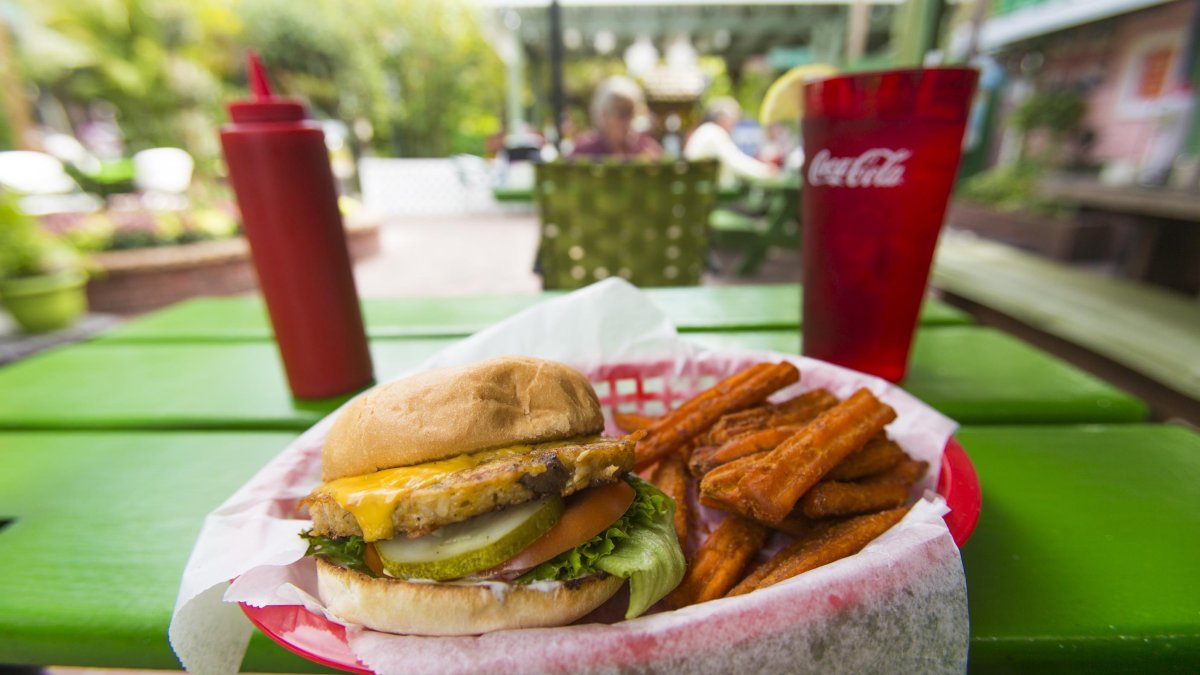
(160, 63)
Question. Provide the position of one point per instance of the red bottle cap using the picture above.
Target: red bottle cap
(266, 106)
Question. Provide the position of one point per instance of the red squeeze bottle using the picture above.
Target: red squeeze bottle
(279, 169)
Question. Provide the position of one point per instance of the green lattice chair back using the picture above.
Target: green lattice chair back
(644, 221)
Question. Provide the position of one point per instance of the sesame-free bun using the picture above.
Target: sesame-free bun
(423, 608)
(451, 411)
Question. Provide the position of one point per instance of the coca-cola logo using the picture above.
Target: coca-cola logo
(877, 167)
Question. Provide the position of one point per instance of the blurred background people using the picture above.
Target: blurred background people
(615, 104)
(712, 140)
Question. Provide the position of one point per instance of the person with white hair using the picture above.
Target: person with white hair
(615, 103)
(712, 140)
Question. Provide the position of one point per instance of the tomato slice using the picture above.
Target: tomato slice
(371, 558)
(588, 514)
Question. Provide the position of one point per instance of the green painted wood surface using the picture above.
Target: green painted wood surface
(1082, 559)
(1149, 330)
(1085, 557)
(752, 307)
(982, 376)
(973, 374)
(101, 527)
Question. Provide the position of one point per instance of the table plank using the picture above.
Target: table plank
(980, 375)
(101, 527)
(753, 307)
(974, 374)
(1085, 554)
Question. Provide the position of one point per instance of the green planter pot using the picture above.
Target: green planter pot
(46, 302)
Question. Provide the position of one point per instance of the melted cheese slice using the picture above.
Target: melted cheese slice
(372, 498)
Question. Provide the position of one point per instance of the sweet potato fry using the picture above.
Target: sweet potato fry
(719, 487)
(670, 476)
(774, 483)
(822, 547)
(740, 446)
(719, 562)
(719, 491)
(877, 456)
(906, 472)
(633, 421)
(795, 411)
(837, 498)
(799, 525)
(675, 429)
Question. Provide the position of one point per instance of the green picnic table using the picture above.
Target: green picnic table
(112, 452)
(723, 308)
(974, 374)
(778, 199)
(1083, 555)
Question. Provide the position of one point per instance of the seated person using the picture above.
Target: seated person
(616, 101)
(712, 140)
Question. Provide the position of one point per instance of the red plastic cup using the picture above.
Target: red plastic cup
(882, 151)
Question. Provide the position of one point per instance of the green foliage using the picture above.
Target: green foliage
(116, 230)
(641, 546)
(441, 73)
(1058, 111)
(25, 249)
(346, 552)
(160, 63)
(1009, 188)
(417, 73)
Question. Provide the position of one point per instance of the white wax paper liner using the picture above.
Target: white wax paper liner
(899, 605)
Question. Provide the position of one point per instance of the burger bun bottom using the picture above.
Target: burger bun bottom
(425, 608)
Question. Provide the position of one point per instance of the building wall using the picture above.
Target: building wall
(1114, 61)
(1145, 43)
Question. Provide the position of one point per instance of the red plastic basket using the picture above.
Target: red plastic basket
(648, 387)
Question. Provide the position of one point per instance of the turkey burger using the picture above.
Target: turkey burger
(476, 498)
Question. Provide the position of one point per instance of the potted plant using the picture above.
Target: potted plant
(41, 277)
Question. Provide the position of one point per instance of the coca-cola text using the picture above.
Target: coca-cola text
(877, 167)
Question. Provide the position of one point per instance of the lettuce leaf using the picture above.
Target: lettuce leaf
(641, 547)
(347, 552)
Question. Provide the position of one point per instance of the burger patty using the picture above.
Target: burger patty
(495, 484)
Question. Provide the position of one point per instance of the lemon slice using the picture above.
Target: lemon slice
(457, 550)
(783, 102)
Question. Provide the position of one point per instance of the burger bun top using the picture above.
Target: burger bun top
(446, 412)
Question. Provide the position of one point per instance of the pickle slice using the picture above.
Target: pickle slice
(477, 544)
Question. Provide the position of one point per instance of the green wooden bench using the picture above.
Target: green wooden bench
(779, 200)
(1147, 339)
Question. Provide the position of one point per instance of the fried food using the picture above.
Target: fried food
(503, 481)
(823, 546)
(877, 456)
(719, 487)
(708, 458)
(630, 422)
(678, 427)
(670, 475)
(795, 411)
(838, 498)
(882, 491)
(719, 562)
(775, 482)
(906, 472)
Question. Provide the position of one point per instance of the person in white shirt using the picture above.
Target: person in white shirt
(712, 140)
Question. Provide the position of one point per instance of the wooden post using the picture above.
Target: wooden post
(915, 31)
(856, 30)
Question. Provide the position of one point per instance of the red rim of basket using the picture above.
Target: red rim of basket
(322, 641)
